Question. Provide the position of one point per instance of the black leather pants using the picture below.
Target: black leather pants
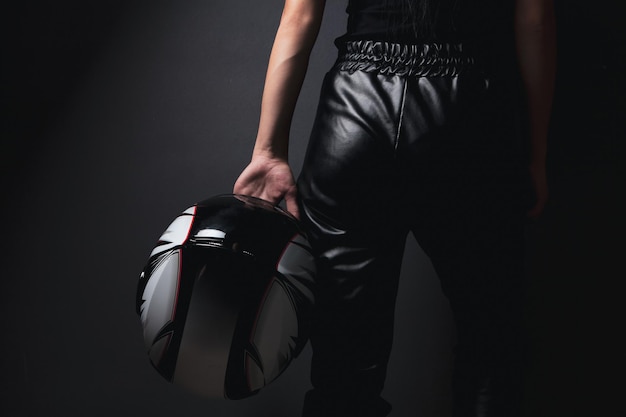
(433, 147)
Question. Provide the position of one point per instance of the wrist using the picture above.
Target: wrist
(272, 148)
(268, 154)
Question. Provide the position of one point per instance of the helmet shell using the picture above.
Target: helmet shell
(226, 296)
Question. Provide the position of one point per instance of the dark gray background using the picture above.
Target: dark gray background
(117, 115)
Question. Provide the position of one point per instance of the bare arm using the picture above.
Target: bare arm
(268, 175)
(536, 51)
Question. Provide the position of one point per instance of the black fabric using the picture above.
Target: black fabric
(439, 157)
(450, 21)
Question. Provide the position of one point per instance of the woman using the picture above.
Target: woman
(433, 120)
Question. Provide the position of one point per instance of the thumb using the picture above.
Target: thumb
(291, 202)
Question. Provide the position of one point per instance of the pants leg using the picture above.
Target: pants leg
(480, 266)
(353, 330)
(471, 194)
(436, 155)
(348, 192)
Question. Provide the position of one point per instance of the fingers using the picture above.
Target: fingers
(275, 198)
(270, 180)
(291, 202)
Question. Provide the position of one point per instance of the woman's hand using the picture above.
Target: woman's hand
(271, 179)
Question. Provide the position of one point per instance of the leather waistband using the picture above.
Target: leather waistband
(421, 60)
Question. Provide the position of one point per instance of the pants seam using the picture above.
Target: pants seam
(399, 128)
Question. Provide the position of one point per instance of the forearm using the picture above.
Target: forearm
(536, 50)
(286, 70)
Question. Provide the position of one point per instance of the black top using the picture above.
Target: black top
(455, 21)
